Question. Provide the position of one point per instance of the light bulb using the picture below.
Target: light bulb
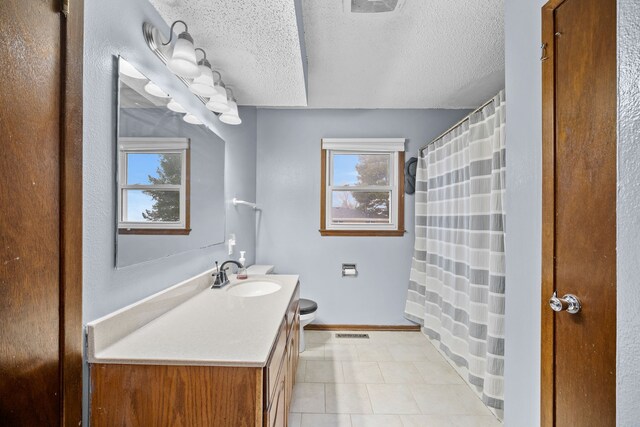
(230, 119)
(153, 89)
(218, 106)
(203, 84)
(233, 106)
(129, 70)
(174, 106)
(190, 118)
(221, 93)
(183, 58)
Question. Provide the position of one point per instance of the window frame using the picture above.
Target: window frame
(155, 145)
(329, 148)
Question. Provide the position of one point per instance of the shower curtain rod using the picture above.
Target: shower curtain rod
(456, 125)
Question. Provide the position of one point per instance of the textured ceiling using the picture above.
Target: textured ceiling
(427, 54)
(254, 44)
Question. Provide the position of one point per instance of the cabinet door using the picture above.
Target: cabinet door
(296, 344)
(277, 359)
(277, 415)
(290, 375)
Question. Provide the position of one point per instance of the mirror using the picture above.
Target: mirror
(170, 175)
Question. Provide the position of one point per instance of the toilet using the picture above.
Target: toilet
(307, 315)
(308, 307)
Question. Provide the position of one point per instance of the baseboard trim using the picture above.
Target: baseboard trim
(325, 327)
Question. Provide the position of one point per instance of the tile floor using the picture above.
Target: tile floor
(392, 379)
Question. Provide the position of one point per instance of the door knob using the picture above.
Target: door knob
(569, 302)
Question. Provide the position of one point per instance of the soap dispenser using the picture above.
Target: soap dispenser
(242, 272)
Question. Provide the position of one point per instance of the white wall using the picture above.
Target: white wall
(115, 28)
(628, 218)
(288, 191)
(524, 217)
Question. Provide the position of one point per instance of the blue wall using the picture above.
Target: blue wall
(289, 194)
(115, 28)
(524, 212)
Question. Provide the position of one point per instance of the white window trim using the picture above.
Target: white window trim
(364, 144)
(129, 145)
(391, 146)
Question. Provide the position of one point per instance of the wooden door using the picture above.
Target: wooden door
(579, 212)
(40, 214)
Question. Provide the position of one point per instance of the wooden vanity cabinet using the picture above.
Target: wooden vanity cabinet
(217, 396)
(279, 392)
(293, 349)
(276, 416)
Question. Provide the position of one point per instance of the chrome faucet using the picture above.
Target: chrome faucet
(220, 274)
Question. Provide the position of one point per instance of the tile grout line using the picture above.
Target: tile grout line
(423, 376)
(366, 386)
(324, 389)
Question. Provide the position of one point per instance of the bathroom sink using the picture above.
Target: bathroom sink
(254, 288)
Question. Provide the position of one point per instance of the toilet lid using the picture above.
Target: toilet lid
(307, 306)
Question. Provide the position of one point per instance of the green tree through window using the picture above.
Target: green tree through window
(372, 170)
(166, 203)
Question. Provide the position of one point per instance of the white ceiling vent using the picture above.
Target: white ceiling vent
(372, 6)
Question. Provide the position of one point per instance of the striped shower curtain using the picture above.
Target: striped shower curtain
(457, 281)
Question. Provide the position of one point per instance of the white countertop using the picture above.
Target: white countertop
(211, 328)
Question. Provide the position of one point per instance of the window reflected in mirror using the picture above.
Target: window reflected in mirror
(170, 170)
(154, 190)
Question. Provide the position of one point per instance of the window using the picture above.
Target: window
(153, 186)
(362, 187)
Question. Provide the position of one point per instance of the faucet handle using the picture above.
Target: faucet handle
(215, 273)
(219, 277)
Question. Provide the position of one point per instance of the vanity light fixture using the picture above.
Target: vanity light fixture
(153, 89)
(183, 58)
(174, 106)
(129, 70)
(219, 103)
(203, 84)
(190, 118)
(231, 117)
(198, 76)
(221, 91)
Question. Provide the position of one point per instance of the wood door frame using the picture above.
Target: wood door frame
(547, 364)
(71, 336)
